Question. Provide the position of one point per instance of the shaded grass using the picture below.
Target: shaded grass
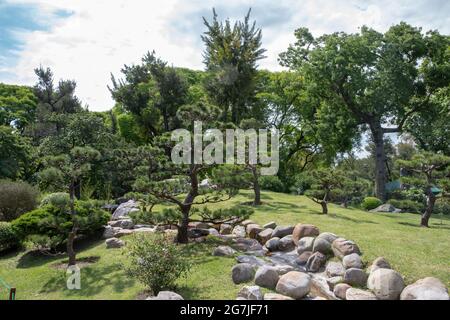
(415, 252)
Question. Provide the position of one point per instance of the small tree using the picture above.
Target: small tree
(69, 169)
(430, 172)
(326, 181)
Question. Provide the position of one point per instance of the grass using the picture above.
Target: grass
(413, 251)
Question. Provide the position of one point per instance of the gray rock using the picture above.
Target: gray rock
(283, 269)
(242, 272)
(340, 290)
(267, 277)
(282, 231)
(320, 288)
(286, 244)
(386, 284)
(213, 232)
(333, 281)
(386, 208)
(323, 242)
(302, 230)
(378, 263)
(244, 244)
(253, 230)
(294, 284)
(245, 223)
(250, 293)
(224, 251)
(276, 296)
(272, 244)
(264, 236)
(114, 243)
(284, 258)
(122, 223)
(342, 247)
(225, 229)
(305, 244)
(110, 232)
(125, 209)
(355, 277)
(334, 269)
(425, 289)
(239, 231)
(197, 233)
(358, 294)
(199, 225)
(352, 261)
(254, 261)
(303, 258)
(315, 262)
(270, 225)
(166, 295)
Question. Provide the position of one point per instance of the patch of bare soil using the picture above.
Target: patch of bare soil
(81, 263)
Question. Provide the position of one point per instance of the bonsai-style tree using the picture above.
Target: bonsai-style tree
(178, 183)
(69, 169)
(326, 181)
(431, 172)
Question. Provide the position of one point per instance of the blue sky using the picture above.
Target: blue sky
(86, 40)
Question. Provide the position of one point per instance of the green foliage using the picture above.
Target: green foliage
(442, 206)
(155, 261)
(60, 200)
(17, 106)
(271, 183)
(8, 238)
(16, 198)
(407, 205)
(370, 203)
(15, 153)
(54, 223)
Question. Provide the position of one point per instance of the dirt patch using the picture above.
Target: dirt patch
(81, 263)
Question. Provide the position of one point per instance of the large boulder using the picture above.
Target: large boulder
(425, 289)
(250, 293)
(386, 208)
(114, 243)
(323, 242)
(283, 269)
(334, 281)
(304, 230)
(125, 209)
(253, 230)
(282, 231)
(294, 284)
(342, 247)
(239, 231)
(270, 225)
(213, 232)
(252, 260)
(244, 244)
(110, 232)
(286, 244)
(320, 288)
(245, 223)
(358, 294)
(122, 223)
(225, 229)
(355, 277)
(303, 258)
(264, 235)
(242, 272)
(224, 251)
(305, 244)
(315, 262)
(378, 263)
(166, 295)
(334, 269)
(197, 233)
(267, 277)
(340, 290)
(386, 284)
(276, 296)
(352, 261)
(272, 244)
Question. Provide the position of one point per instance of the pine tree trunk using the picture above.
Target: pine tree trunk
(256, 187)
(182, 235)
(72, 234)
(324, 205)
(380, 161)
(431, 199)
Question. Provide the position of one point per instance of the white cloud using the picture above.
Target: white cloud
(100, 36)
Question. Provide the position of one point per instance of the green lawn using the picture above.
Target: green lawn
(415, 252)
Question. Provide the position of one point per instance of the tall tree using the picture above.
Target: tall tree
(17, 106)
(377, 80)
(231, 57)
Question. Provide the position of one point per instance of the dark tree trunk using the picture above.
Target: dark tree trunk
(256, 187)
(72, 234)
(380, 161)
(324, 205)
(431, 199)
(182, 235)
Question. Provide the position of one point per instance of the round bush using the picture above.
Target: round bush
(8, 238)
(271, 183)
(370, 203)
(16, 198)
(59, 200)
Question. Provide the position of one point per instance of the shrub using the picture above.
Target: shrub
(442, 206)
(271, 183)
(16, 198)
(8, 238)
(60, 200)
(370, 203)
(407, 205)
(302, 182)
(55, 222)
(155, 261)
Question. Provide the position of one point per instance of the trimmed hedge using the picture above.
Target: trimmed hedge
(370, 203)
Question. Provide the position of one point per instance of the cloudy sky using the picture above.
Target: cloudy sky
(86, 40)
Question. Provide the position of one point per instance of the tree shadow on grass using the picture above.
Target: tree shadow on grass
(94, 279)
(275, 205)
(433, 225)
(341, 217)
